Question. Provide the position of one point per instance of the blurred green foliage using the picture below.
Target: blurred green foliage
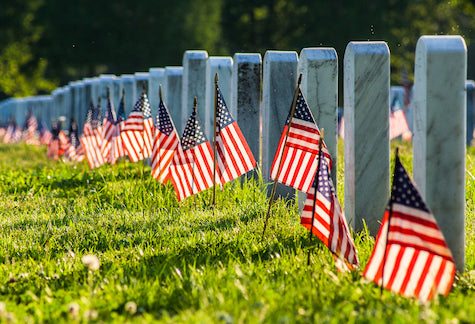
(44, 44)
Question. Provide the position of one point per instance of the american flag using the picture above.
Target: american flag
(53, 146)
(407, 88)
(117, 149)
(32, 130)
(192, 167)
(10, 131)
(91, 139)
(70, 152)
(413, 258)
(397, 121)
(233, 155)
(45, 135)
(300, 158)
(165, 142)
(329, 222)
(137, 134)
(63, 142)
(108, 129)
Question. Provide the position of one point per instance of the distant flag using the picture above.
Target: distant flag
(410, 256)
(32, 130)
(329, 222)
(10, 131)
(192, 167)
(3, 131)
(53, 146)
(91, 139)
(300, 156)
(63, 142)
(397, 121)
(117, 148)
(137, 133)
(233, 155)
(165, 142)
(407, 88)
(108, 128)
(45, 135)
(72, 141)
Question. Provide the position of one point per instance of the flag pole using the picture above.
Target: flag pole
(282, 154)
(195, 103)
(161, 100)
(390, 212)
(143, 152)
(320, 144)
(214, 138)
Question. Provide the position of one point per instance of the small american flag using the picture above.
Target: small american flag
(233, 155)
(108, 129)
(117, 149)
(70, 152)
(329, 222)
(192, 167)
(137, 133)
(63, 142)
(91, 139)
(165, 142)
(410, 251)
(397, 121)
(300, 158)
(32, 130)
(53, 146)
(10, 131)
(45, 135)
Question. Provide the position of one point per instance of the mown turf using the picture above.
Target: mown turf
(182, 262)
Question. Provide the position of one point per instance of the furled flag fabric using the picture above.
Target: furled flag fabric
(233, 155)
(192, 167)
(91, 139)
(397, 121)
(329, 223)
(63, 142)
(53, 146)
(300, 159)
(410, 251)
(32, 130)
(117, 148)
(137, 134)
(108, 129)
(165, 142)
(70, 149)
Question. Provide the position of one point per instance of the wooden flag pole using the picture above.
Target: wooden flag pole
(390, 212)
(158, 119)
(214, 138)
(282, 154)
(195, 103)
(143, 152)
(320, 155)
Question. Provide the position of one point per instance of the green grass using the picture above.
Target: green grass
(180, 262)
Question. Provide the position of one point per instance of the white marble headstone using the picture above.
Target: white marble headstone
(156, 78)
(127, 83)
(172, 94)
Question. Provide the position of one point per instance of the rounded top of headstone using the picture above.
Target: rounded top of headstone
(156, 71)
(195, 55)
(281, 56)
(107, 77)
(220, 61)
(318, 53)
(365, 48)
(442, 43)
(127, 77)
(248, 58)
(141, 76)
(470, 84)
(174, 70)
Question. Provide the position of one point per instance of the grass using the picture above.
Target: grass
(179, 262)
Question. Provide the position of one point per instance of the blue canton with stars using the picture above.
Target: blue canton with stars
(110, 113)
(96, 116)
(223, 117)
(193, 134)
(164, 123)
(325, 186)
(301, 110)
(120, 111)
(73, 133)
(143, 106)
(403, 190)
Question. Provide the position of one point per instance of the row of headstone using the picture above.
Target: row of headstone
(438, 115)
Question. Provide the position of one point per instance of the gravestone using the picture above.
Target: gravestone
(366, 113)
(246, 98)
(127, 83)
(194, 85)
(141, 82)
(96, 90)
(223, 65)
(470, 86)
(67, 106)
(319, 68)
(172, 94)
(279, 84)
(156, 78)
(108, 81)
(45, 110)
(439, 134)
(80, 104)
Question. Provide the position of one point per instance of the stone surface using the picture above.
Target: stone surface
(319, 68)
(127, 83)
(141, 82)
(223, 65)
(246, 98)
(156, 78)
(109, 81)
(439, 134)
(470, 86)
(172, 94)
(80, 103)
(279, 83)
(366, 113)
(194, 85)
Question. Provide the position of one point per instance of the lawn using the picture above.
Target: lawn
(168, 261)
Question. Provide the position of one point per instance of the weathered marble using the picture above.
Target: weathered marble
(80, 103)
(246, 98)
(172, 94)
(366, 112)
(96, 89)
(319, 68)
(127, 83)
(194, 85)
(470, 86)
(141, 82)
(109, 81)
(279, 83)
(223, 65)
(156, 78)
(439, 134)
